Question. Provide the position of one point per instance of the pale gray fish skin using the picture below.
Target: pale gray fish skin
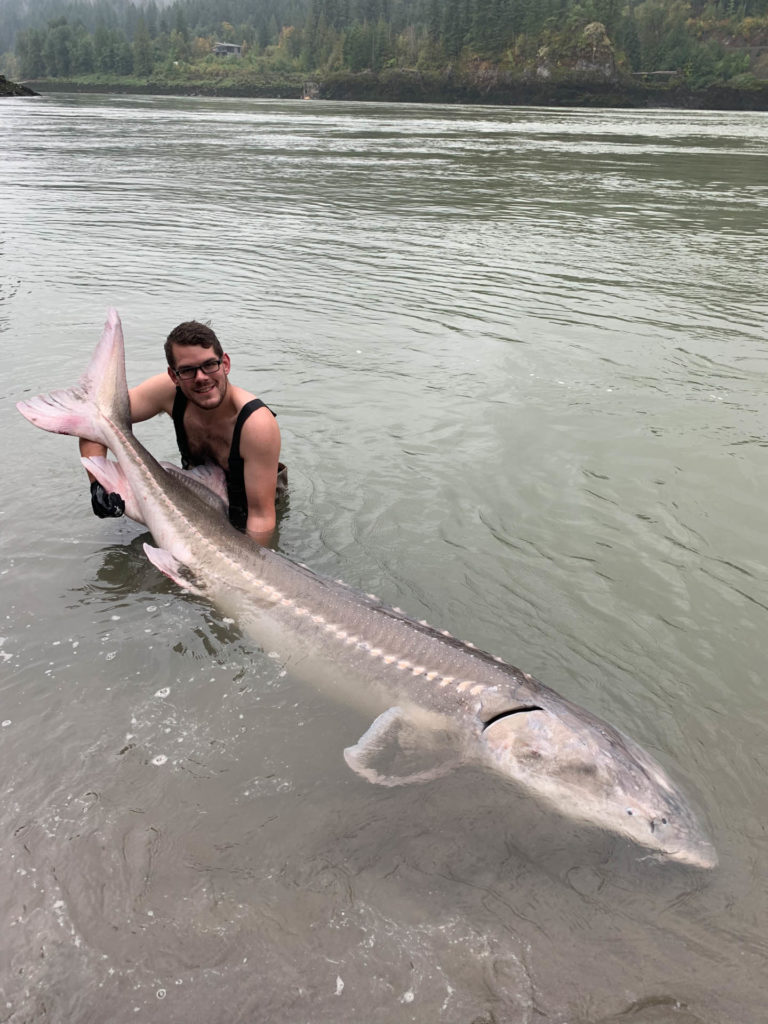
(374, 656)
(207, 481)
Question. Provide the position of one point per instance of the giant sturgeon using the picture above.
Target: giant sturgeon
(425, 689)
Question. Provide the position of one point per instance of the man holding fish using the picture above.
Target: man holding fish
(216, 422)
(430, 693)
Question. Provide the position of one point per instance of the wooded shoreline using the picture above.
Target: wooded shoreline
(399, 86)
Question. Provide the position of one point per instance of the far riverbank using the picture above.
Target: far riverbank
(399, 86)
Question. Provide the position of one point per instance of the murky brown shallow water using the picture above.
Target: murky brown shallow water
(519, 360)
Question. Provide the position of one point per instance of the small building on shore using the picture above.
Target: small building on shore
(227, 49)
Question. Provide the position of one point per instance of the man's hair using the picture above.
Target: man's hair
(192, 333)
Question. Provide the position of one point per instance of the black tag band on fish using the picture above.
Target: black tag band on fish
(507, 714)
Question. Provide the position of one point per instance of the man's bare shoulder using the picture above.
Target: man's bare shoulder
(239, 396)
(242, 397)
(260, 430)
(151, 397)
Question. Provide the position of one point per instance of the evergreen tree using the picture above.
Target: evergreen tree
(83, 55)
(57, 52)
(179, 47)
(29, 47)
(103, 49)
(486, 26)
(455, 26)
(142, 50)
(180, 24)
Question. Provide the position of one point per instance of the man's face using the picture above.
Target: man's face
(204, 389)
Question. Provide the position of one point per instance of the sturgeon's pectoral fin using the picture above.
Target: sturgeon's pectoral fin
(396, 750)
(172, 568)
(113, 479)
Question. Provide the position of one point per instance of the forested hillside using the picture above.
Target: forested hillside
(703, 43)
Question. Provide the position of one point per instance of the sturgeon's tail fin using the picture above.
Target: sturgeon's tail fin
(100, 396)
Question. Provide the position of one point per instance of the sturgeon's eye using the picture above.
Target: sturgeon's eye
(630, 811)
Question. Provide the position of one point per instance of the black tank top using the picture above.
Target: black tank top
(238, 502)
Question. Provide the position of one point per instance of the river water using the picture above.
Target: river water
(518, 358)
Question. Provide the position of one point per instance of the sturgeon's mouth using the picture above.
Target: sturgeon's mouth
(702, 856)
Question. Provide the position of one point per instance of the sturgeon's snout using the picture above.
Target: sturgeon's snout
(591, 773)
(703, 856)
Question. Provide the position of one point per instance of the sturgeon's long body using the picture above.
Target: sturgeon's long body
(420, 682)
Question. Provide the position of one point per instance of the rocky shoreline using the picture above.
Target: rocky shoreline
(14, 89)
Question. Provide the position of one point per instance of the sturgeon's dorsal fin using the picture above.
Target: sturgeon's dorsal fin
(207, 482)
(397, 749)
(172, 568)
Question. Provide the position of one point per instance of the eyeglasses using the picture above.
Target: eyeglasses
(209, 367)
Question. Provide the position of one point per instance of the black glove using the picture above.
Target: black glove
(105, 506)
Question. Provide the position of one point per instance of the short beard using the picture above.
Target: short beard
(222, 392)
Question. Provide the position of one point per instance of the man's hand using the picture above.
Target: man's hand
(106, 506)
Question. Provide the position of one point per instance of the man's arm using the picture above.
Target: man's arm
(260, 449)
